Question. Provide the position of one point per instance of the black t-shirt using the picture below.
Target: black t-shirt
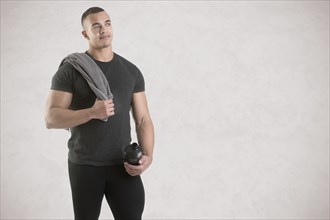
(97, 142)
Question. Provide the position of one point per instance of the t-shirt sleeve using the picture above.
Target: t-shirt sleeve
(139, 85)
(63, 79)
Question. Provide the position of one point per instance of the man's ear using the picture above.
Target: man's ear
(85, 34)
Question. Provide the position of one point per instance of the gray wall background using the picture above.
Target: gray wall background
(238, 92)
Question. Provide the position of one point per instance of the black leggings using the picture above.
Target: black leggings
(124, 193)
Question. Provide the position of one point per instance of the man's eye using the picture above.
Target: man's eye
(96, 27)
(108, 24)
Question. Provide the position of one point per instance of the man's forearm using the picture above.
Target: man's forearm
(145, 135)
(66, 118)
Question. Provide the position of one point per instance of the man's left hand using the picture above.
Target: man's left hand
(135, 170)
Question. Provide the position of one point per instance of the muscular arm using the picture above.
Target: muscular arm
(145, 133)
(143, 122)
(58, 114)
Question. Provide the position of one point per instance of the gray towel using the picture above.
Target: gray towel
(92, 74)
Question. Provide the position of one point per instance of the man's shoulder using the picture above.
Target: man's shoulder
(66, 71)
(66, 67)
(125, 61)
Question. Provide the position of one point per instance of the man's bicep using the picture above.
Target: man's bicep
(140, 106)
(59, 99)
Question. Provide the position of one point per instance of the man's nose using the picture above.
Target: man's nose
(102, 30)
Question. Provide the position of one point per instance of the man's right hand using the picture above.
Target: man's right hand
(102, 109)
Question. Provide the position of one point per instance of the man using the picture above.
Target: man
(96, 166)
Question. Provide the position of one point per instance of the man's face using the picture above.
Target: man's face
(98, 30)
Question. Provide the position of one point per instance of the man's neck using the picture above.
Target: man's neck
(103, 55)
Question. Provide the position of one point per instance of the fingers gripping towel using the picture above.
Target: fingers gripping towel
(92, 74)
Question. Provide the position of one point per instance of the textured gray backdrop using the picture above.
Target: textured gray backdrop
(238, 92)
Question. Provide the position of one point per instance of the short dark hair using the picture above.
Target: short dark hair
(90, 11)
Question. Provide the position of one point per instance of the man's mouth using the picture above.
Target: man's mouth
(104, 37)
